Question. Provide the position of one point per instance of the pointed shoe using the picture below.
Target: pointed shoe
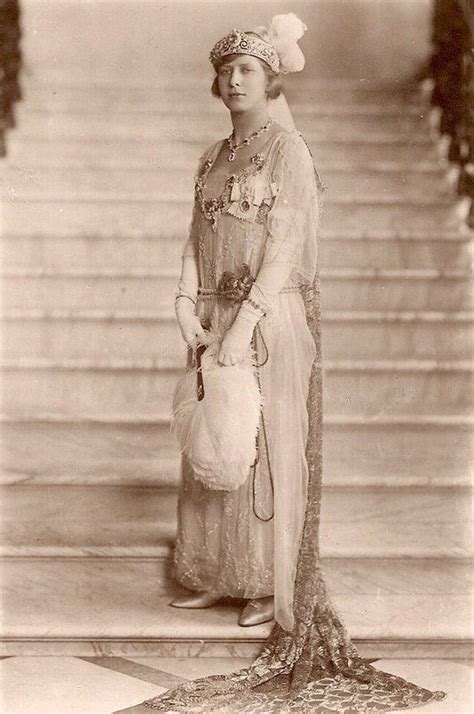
(256, 612)
(195, 601)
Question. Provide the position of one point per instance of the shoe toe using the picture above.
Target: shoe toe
(255, 613)
(195, 601)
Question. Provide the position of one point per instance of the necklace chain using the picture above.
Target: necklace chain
(233, 148)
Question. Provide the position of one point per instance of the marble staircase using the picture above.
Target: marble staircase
(98, 191)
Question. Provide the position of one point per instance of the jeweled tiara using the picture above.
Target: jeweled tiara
(240, 43)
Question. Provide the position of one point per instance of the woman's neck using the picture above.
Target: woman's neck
(245, 123)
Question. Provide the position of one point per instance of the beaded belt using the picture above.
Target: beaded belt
(236, 286)
(211, 292)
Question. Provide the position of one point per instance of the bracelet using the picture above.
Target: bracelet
(182, 295)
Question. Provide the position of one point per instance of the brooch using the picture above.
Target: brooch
(236, 287)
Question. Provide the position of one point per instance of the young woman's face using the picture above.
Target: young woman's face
(242, 83)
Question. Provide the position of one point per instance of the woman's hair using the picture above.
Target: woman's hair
(274, 83)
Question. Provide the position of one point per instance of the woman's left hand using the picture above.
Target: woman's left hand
(236, 342)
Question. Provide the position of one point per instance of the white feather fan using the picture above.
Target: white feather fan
(218, 434)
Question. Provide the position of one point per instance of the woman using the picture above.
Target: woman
(256, 206)
(255, 217)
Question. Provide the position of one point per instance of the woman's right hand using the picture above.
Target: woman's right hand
(189, 323)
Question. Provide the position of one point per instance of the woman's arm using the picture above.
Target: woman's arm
(186, 295)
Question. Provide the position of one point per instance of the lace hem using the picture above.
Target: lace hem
(364, 689)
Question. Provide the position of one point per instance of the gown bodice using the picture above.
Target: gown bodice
(230, 228)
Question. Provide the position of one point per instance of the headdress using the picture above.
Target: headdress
(240, 43)
(276, 45)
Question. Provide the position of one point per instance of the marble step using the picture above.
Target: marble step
(335, 96)
(116, 606)
(193, 125)
(91, 100)
(131, 152)
(107, 387)
(147, 289)
(97, 183)
(408, 451)
(68, 334)
(383, 250)
(169, 215)
(139, 522)
(47, 86)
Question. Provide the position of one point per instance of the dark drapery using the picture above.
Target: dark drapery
(451, 68)
(10, 64)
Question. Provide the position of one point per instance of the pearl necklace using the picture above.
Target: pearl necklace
(233, 148)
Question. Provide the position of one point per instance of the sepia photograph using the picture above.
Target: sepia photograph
(236, 243)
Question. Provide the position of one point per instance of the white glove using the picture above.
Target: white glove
(271, 278)
(189, 323)
(191, 329)
(236, 342)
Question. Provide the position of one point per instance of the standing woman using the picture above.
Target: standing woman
(255, 222)
(250, 285)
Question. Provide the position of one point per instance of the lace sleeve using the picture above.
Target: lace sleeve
(292, 223)
(189, 279)
(190, 247)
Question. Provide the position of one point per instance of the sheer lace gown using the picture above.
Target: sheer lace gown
(267, 218)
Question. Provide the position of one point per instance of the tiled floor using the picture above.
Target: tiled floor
(74, 685)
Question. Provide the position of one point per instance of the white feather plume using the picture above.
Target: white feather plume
(284, 32)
